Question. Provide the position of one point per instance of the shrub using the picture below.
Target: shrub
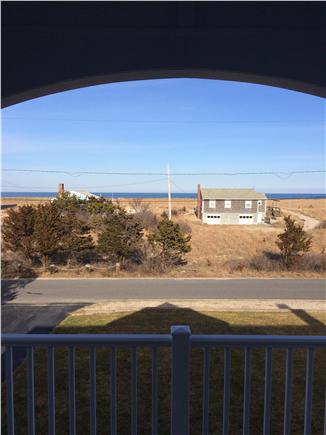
(292, 242)
(236, 265)
(146, 219)
(59, 235)
(14, 265)
(322, 225)
(99, 206)
(164, 214)
(185, 227)
(121, 237)
(49, 231)
(265, 262)
(169, 241)
(18, 230)
(313, 262)
(76, 237)
(84, 216)
(138, 205)
(88, 256)
(65, 201)
(154, 265)
(174, 212)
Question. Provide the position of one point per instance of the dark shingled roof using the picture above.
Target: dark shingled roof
(208, 193)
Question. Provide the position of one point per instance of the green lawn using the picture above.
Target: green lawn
(159, 321)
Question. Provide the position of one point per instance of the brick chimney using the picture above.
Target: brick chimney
(198, 202)
(61, 188)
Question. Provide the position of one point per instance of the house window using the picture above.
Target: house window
(211, 203)
(248, 204)
(227, 204)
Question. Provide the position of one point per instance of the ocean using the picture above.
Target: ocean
(159, 195)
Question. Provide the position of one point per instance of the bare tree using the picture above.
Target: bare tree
(138, 205)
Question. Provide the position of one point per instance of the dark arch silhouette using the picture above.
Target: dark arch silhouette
(50, 47)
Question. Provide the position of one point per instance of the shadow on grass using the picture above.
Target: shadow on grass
(154, 320)
(306, 317)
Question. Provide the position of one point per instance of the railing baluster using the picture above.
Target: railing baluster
(30, 391)
(154, 391)
(113, 391)
(10, 392)
(268, 391)
(72, 390)
(288, 392)
(181, 342)
(324, 433)
(246, 401)
(180, 380)
(92, 373)
(308, 400)
(226, 393)
(51, 391)
(206, 370)
(134, 391)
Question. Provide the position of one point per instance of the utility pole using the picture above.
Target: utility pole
(169, 191)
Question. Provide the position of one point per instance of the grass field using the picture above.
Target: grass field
(153, 320)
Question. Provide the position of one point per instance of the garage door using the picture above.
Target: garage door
(213, 219)
(246, 219)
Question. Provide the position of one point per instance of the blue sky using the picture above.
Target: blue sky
(195, 125)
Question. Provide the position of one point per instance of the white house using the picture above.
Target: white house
(84, 196)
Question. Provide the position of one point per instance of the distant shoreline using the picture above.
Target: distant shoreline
(153, 195)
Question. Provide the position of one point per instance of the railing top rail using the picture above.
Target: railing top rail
(163, 340)
(258, 340)
(87, 339)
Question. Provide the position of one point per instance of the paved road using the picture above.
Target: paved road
(37, 306)
(60, 291)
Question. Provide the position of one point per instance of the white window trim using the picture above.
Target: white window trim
(246, 203)
(210, 202)
(229, 202)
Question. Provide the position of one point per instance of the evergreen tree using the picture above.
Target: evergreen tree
(99, 206)
(75, 237)
(121, 236)
(49, 231)
(18, 231)
(171, 243)
(292, 242)
(66, 201)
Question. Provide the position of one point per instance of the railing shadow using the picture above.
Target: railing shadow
(43, 320)
(306, 317)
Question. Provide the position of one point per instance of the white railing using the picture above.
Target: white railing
(181, 341)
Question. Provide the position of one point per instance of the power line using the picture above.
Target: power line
(178, 187)
(87, 187)
(79, 173)
(159, 121)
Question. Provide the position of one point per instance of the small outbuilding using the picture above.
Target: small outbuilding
(230, 206)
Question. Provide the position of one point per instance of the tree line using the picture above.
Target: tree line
(75, 230)
(72, 231)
